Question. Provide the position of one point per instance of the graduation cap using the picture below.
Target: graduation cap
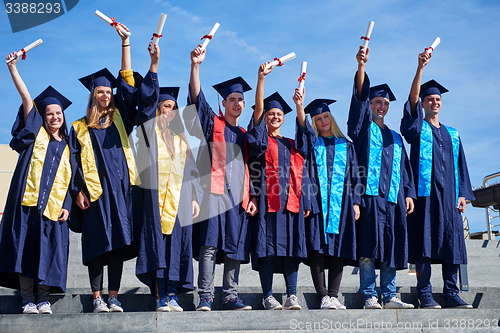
(100, 78)
(231, 86)
(382, 90)
(51, 96)
(318, 106)
(169, 93)
(276, 101)
(431, 88)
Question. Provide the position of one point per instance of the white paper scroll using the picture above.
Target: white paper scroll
(302, 77)
(111, 22)
(280, 61)
(26, 49)
(434, 45)
(368, 34)
(209, 36)
(158, 32)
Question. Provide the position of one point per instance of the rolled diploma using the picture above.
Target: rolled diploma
(211, 33)
(159, 30)
(26, 49)
(302, 80)
(368, 33)
(109, 21)
(283, 59)
(434, 45)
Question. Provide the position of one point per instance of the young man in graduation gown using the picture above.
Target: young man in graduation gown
(387, 177)
(222, 235)
(443, 184)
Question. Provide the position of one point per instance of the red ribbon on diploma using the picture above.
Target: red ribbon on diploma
(302, 77)
(365, 38)
(206, 36)
(114, 23)
(24, 54)
(279, 61)
(156, 35)
(429, 48)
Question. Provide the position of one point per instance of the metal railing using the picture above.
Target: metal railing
(489, 225)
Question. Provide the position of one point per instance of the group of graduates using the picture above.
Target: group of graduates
(249, 195)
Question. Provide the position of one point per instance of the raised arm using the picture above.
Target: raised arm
(197, 57)
(155, 58)
(298, 99)
(423, 60)
(362, 58)
(20, 86)
(126, 58)
(259, 93)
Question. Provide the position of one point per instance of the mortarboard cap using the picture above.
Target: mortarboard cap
(50, 96)
(169, 93)
(276, 101)
(231, 86)
(382, 90)
(101, 78)
(318, 106)
(431, 88)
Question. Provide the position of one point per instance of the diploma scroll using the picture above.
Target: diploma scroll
(22, 52)
(433, 45)
(158, 33)
(208, 37)
(302, 77)
(112, 22)
(368, 34)
(280, 61)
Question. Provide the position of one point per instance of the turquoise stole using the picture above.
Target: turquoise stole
(425, 158)
(331, 203)
(375, 161)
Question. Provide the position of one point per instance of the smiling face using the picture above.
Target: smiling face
(431, 104)
(54, 117)
(167, 109)
(103, 96)
(379, 106)
(323, 123)
(233, 105)
(274, 118)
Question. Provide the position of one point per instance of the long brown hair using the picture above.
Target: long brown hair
(167, 132)
(96, 118)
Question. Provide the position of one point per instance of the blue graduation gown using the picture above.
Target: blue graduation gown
(223, 223)
(436, 227)
(30, 243)
(381, 228)
(343, 244)
(160, 255)
(107, 224)
(281, 233)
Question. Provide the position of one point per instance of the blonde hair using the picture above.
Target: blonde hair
(334, 128)
(94, 116)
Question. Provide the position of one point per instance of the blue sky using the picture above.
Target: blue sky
(326, 34)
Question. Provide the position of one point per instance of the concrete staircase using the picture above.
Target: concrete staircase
(73, 310)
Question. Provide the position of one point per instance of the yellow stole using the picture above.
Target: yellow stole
(170, 176)
(62, 178)
(89, 167)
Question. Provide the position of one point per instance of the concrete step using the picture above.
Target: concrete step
(443, 320)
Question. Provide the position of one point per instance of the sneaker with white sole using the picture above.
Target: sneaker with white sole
(336, 303)
(114, 305)
(173, 303)
(162, 305)
(100, 306)
(44, 308)
(326, 303)
(30, 308)
(271, 303)
(372, 303)
(396, 303)
(292, 303)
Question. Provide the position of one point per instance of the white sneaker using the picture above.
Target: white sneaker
(336, 303)
(44, 308)
(396, 303)
(30, 308)
(173, 304)
(292, 303)
(100, 306)
(372, 303)
(326, 303)
(114, 305)
(270, 303)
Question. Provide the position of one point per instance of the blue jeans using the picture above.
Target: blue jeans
(449, 272)
(367, 279)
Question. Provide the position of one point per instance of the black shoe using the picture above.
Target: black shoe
(455, 302)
